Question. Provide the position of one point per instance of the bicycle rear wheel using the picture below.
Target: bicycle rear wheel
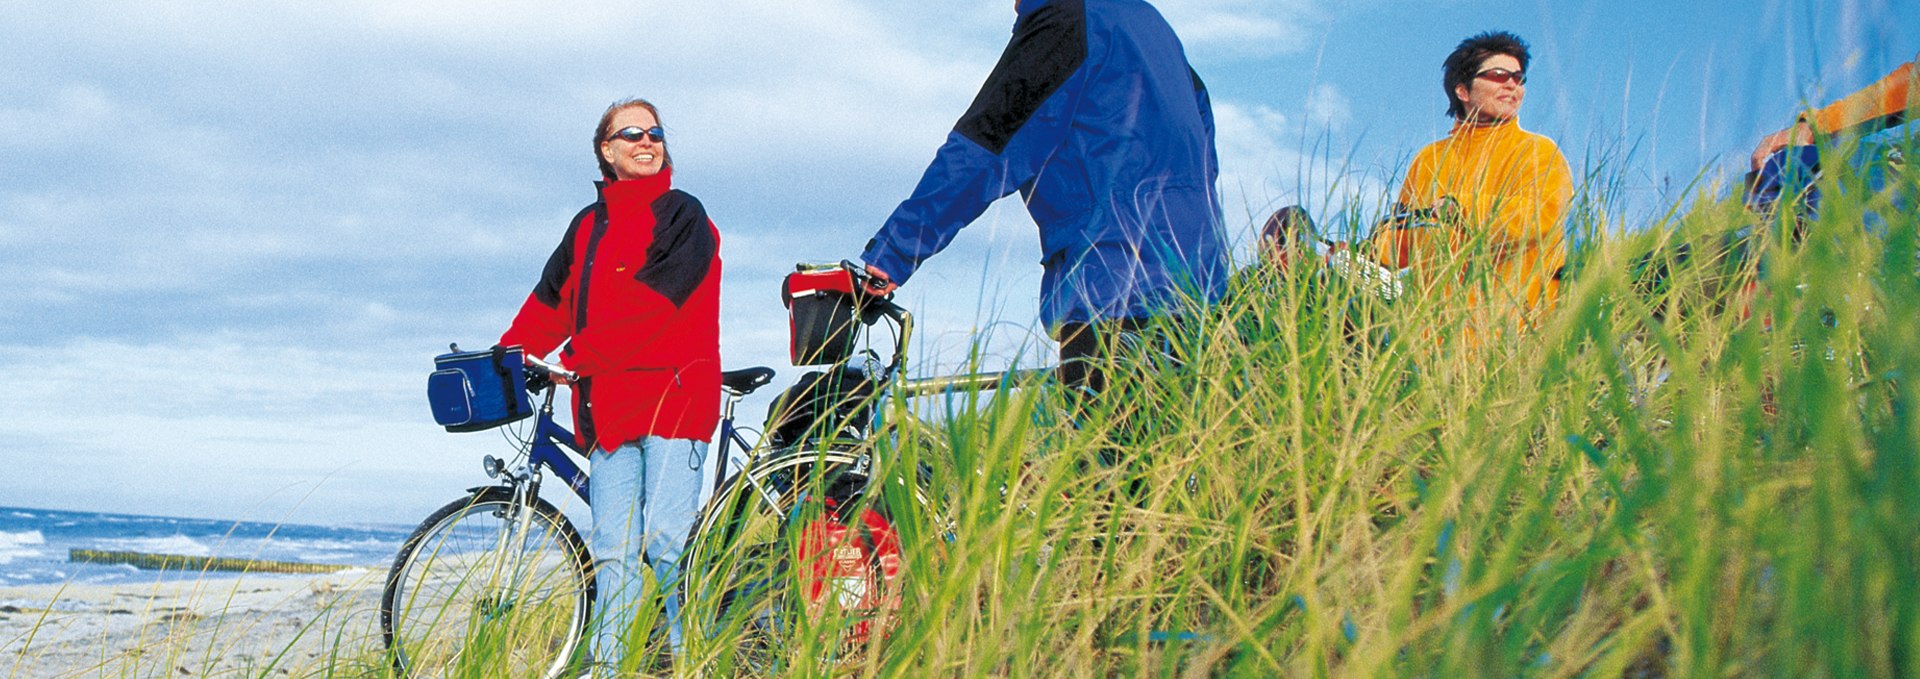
(797, 552)
(488, 586)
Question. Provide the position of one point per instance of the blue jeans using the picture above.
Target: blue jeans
(645, 496)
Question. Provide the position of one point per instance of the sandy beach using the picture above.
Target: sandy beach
(218, 626)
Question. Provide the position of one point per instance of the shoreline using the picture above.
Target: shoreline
(222, 624)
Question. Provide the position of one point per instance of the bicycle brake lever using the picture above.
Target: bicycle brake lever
(538, 381)
(549, 370)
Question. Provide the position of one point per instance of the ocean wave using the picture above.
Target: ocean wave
(337, 547)
(364, 550)
(321, 550)
(336, 543)
(173, 544)
(20, 545)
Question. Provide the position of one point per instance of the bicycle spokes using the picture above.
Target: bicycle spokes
(491, 585)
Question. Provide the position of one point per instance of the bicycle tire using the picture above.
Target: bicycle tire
(453, 606)
(736, 578)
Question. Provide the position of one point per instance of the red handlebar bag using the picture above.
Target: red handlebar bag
(821, 316)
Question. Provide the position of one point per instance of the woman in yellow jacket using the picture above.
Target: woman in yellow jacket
(1512, 188)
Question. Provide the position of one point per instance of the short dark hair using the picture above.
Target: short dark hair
(1287, 226)
(601, 131)
(1465, 60)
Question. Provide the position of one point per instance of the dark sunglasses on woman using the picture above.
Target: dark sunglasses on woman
(635, 134)
(1496, 75)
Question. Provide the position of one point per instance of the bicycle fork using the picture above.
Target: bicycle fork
(511, 544)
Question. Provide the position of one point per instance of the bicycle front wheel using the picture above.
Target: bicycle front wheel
(488, 586)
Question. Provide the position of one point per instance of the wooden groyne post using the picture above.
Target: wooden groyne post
(177, 562)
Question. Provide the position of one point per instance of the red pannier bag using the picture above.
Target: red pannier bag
(852, 565)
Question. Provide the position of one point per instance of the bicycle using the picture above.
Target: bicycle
(813, 538)
(499, 582)
(1373, 270)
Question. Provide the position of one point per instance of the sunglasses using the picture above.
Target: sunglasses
(1501, 76)
(635, 134)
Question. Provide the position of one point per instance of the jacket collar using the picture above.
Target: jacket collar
(643, 189)
(1462, 128)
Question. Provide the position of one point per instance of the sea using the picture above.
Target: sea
(35, 544)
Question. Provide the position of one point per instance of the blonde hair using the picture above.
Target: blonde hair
(606, 120)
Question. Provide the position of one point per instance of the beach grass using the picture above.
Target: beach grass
(1701, 462)
(1698, 464)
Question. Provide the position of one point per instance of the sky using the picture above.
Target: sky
(234, 235)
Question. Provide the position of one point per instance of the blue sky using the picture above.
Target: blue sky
(235, 235)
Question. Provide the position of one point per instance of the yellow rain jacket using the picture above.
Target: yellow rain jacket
(1513, 188)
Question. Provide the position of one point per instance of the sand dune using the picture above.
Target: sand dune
(246, 626)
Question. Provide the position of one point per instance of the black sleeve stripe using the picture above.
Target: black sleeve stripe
(553, 278)
(683, 247)
(1048, 46)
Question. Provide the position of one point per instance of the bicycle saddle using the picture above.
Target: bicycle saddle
(745, 380)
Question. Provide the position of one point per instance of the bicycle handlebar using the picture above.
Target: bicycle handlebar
(540, 374)
(872, 308)
(861, 280)
(1443, 214)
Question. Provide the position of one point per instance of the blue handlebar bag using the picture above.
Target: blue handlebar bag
(478, 390)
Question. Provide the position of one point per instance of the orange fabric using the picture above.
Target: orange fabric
(1892, 95)
(1513, 188)
(1417, 249)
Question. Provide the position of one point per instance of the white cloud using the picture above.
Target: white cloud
(239, 231)
(1328, 108)
(243, 425)
(1270, 158)
(1243, 27)
(71, 112)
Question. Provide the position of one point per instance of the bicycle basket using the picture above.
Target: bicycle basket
(478, 390)
(821, 315)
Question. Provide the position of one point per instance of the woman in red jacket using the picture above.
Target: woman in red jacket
(634, 293)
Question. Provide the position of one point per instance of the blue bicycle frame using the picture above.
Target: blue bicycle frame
(552, 443)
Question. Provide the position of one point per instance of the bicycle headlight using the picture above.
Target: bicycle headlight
(494, 466)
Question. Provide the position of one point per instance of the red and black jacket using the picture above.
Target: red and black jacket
(634, 291)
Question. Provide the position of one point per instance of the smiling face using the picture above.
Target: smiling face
(1488, 101)
(634, 159)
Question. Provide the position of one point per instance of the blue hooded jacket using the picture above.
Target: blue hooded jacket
(1095, 117)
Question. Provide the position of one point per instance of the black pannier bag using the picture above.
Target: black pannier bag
(822, 315)
(820, 406)
(478, 390)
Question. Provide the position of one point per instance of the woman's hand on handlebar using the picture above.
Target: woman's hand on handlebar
(552, 371)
